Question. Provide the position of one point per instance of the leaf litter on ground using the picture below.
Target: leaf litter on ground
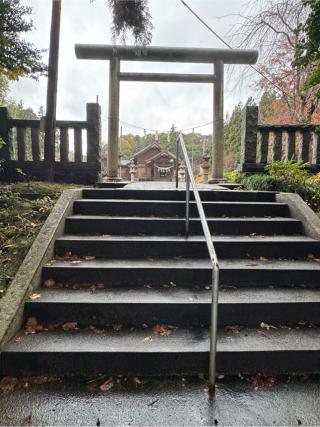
(107, 385)
(9, 384)
(261, 380)
(163, 330)
(234, 329)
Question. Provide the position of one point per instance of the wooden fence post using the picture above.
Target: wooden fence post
(5, 134)
(249, 132)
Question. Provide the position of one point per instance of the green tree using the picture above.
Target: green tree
(18, 58)
(232, 130)
(3, 89)
(308, 47)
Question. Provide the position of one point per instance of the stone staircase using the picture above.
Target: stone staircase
(136, 270)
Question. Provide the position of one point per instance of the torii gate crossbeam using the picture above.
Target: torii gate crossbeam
(217, 57)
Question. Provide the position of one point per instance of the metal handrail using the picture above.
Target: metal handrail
(211, 250)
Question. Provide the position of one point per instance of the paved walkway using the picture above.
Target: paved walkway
(165, 403)
(165, 185)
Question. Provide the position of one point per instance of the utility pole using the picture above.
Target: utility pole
(50, 126)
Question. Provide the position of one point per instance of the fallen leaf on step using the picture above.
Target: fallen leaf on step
(49, 284)
(261, 380)
(137, 381)
(7, 384)
(70, 326)
(147, 286)
(27, 421)
(267, 326)
(153, 402)
(146, 339)
(92, 289)
(107, 385)
(144, 325)
(261, 334)
(263, 259)
(173, 284)
(89, 258)
(251, 264)
(75, 262)
(34, 296)
(220, 376)
(98, 331)
(162, 329)
(18, 339)
(67, 257)
(32, 326)
(234, 329)
(117, 327)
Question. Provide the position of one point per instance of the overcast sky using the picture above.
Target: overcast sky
(150, 105)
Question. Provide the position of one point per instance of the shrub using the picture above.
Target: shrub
(314, 179)
(292, 172)
(260, 182)
(311, 195)
(234, 176)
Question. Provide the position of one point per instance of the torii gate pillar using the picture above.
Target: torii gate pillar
(113, 119)
(218, 124)
(218, 57)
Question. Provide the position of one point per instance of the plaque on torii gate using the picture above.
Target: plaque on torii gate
(217, 57)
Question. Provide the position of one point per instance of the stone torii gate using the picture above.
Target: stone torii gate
(217, 57)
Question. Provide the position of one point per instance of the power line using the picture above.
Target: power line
(161, 131)
(229, 46)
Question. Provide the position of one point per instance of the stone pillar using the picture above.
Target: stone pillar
(5, 134)
(113, 122)
(94, 133)
(205, 167)
(218, 125)
(132, 170)
(249, 130)
(182, 172)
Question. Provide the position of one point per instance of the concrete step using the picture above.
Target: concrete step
(127, 247)
(186, 272)
(99, 224)
(206, 195)
(113, 185)
(160, 208)
(185, 351)
(175, 306)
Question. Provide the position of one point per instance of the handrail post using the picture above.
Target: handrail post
(177, 164)
(187, 202)
(213, 329)
(213, 258)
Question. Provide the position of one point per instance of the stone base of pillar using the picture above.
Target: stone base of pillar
(112, 179)
(216, 180)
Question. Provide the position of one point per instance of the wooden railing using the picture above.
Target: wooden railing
(264, 144)
(23, 149)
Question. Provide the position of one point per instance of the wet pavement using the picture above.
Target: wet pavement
(166, 185)
(171, 402)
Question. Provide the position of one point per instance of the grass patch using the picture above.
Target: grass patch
(20, 222)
